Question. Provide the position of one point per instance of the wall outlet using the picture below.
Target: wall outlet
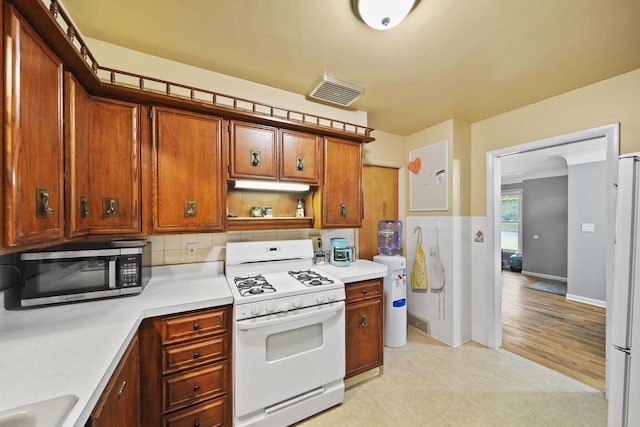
(192, 250)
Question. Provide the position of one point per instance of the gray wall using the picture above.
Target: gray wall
(587, 250)
(544, 212)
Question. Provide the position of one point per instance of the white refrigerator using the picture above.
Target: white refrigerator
(624, 381)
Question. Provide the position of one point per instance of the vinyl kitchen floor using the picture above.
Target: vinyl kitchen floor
(427, 383)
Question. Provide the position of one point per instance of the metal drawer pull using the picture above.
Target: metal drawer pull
(122, 388)
(364, 292)
(196, 387)
(111, 206)
(190, 208)
(363, 320)
(84, 207)
(196, 423)
(196, 355)
(43, 210)
(255, 160)
(196, 327)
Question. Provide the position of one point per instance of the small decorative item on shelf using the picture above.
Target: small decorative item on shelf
(267, 212)
(300, 208)
(256, 211)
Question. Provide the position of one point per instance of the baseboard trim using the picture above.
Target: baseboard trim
(418, 323)
(585, 300)
(543, 276)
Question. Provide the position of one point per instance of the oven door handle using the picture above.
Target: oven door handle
(289, 321)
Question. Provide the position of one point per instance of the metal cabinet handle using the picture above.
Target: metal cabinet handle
(190, 208)
(196, 423)
(122, 388)
(84, 207)
(196, 388)
(299, 163)
(254, 158)
(196, 355)
(43, 210)
(363, 320)
(364, 292)
(196, 326)
(343, 210)
(111, 206)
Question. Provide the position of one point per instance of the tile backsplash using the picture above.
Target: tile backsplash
(180, 249)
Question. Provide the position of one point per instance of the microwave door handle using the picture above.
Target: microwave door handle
(112, 273)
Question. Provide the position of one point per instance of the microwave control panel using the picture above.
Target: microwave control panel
(129, 270)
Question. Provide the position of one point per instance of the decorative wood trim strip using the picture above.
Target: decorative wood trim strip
(124, 79)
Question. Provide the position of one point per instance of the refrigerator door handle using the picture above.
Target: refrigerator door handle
(626, 350)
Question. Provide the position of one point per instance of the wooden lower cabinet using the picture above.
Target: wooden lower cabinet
(119, 404)
(364, 326)
(186, 374)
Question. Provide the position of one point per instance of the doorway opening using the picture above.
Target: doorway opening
(610, 134)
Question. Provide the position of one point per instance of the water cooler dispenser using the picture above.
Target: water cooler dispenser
(395, 288)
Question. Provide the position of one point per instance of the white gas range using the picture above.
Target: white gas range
(288, 333)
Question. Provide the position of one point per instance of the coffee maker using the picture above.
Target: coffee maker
(341, 255)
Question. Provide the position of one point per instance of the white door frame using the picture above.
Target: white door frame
(612, 136)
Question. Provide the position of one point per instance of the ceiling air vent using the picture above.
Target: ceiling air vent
(334, 91)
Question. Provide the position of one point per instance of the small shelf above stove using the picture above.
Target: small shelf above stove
(262, 223)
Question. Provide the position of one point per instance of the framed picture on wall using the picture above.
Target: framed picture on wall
(428, 176)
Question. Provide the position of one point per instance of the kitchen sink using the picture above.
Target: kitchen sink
(46, 413)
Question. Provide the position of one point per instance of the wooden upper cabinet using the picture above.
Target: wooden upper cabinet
(103, 164)
(33, 141)
(300, 155)
(341, 201)
(252, 153)
(188, 192)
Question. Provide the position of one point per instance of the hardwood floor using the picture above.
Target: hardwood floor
(566, 336)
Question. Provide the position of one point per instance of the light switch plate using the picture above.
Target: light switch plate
(589, 227)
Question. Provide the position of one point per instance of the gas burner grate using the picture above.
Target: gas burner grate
(310, 278)
(253, 285)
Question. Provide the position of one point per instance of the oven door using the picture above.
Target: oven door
(282, 359)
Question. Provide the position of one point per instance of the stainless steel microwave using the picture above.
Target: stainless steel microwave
(84, 272)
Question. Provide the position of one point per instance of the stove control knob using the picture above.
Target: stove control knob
(331, 297)
(321, 298)
(255, 310)
(297, 302)
(270, 307)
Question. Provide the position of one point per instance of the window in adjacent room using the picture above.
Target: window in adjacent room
(511, 220)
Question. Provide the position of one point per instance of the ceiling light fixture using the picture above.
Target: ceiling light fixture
(383, 14)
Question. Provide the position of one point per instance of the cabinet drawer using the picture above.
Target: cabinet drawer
(187, 388)
(363, 290)
(209, 414)
(193, 325)
(196, 353)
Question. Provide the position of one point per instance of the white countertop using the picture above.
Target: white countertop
(360, 270)
(74, 349)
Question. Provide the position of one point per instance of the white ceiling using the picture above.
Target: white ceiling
(463, 59)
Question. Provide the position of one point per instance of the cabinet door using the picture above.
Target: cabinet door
(187, 172)
(299, 157)
(103, 164)
(119, 404)
(342, 184)
(252, 151)
(33, 144)
(364, 335)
